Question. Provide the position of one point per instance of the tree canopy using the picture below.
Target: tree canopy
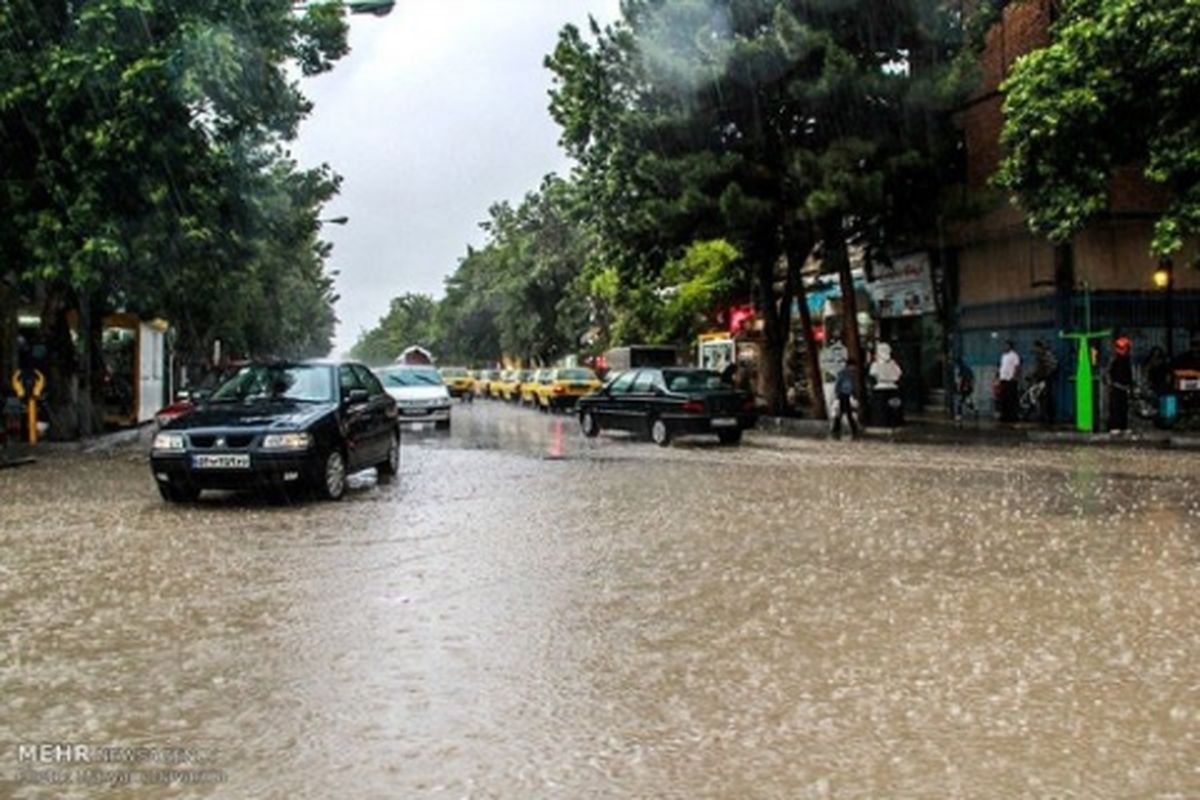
(1117, 86)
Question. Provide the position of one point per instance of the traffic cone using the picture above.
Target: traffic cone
(556, 445)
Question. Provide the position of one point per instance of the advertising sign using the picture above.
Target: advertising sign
(904, 288)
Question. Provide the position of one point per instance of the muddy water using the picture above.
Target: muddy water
(786, 619)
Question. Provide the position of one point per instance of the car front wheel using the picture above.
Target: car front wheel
(177, 493)
(332, 485)
(588, 423)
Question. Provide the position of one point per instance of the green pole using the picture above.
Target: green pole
(1085, 412)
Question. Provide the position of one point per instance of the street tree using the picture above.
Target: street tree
(411, 320)
(775, 125)
(129, 134)
(1116, 87)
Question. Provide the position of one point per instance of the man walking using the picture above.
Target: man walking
(1010, 373)
(846, 388)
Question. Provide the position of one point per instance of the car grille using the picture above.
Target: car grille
(238, 441)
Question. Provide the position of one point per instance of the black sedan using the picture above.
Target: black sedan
(663, 403)
(280, 426)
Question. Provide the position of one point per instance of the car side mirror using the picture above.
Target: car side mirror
(356, 396)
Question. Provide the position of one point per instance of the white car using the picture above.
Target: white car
(421, 394)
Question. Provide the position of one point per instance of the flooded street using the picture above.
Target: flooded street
(785, 619)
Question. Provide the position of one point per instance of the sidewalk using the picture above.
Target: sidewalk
(939, 429)
(20, 453)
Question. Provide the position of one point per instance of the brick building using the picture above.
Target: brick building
(1003, 282)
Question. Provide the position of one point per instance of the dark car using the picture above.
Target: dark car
(305, 426)
(663, 403)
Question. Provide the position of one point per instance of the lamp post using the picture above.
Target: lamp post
(333, 221)
(380, 8)
(1164, 279)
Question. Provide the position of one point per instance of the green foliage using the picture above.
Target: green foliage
(771, 125)
(700, 281)
(411, 320)
(141, 163)
(1118, 86)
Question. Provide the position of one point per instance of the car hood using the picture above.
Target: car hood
(279, 414)
(410, 393)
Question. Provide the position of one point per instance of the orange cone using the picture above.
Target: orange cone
(556, 446)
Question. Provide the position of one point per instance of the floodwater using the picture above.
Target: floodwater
(785, 619)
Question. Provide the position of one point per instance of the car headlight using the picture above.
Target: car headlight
(169, 441)
(287, 441)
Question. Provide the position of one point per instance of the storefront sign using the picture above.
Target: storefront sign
(904, 288)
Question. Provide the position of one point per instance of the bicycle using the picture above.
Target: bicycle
(1031, 400)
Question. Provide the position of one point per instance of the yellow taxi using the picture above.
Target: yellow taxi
(529, 388)
(458, 382)
(511, 389)
(483, 380)
(497, 383)
(562, 387)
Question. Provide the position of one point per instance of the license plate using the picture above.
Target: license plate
(1189, 385)
(418, 426)
(724, 422)
(231, 461)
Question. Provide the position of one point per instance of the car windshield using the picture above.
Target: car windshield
(454, 372)
(693, 380)
(297, 382)
(411, 376)
(576, 375)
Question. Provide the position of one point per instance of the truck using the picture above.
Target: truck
(640, 355)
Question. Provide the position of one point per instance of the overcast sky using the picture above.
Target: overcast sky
(438, 112)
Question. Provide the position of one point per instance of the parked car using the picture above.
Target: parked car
(420, 394)
(459, 382)
(304, 425)
(501, 383)
(664, 403)
(528, 388)
(562, 388)
(510, 390)
(188, 398)
(483, 380)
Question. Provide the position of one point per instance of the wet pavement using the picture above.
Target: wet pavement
(785, 619)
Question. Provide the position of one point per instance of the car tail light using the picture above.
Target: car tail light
(693, 407)
(559, 389)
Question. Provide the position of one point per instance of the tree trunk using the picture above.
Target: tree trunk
(62, 365)
(8, 332)
(797, 253)
(836, 254)
(776, 324)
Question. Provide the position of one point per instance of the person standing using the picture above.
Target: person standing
(845, 388)
(886, 374)
(1120, 385)
(1010, 374)
(1045, 367)
(964, 389)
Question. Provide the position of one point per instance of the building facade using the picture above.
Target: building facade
(1003, 282)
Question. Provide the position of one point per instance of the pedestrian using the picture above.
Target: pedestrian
(964, 388)
(1010, 375)
(845, 388)
(1158, 373)
(1120, 385)
(729, 374)
(1045, 367)
(886, 374)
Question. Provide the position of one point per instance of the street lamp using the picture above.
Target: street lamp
(1164, 280)
(333, 221)
(380, 8)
